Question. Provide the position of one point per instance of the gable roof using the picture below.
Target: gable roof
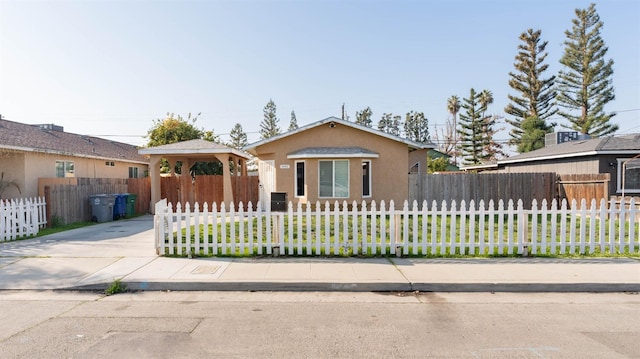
(619, 145)
(335, 120)
(197, 146)
(51, 139)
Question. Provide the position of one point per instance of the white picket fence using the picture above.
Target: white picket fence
(378, 229)
(21, 217)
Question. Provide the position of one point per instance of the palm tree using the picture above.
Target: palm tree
(485, 99)
(6, 184)
(453, 106)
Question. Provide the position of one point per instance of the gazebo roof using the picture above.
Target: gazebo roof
(192, 147)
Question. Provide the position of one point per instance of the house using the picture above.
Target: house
(435, 154)
(336, 160)
(610, 155)
(29, 152)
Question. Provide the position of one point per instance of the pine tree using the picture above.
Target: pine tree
(416, 127)
(293, 124)
(364, 117)
(269, 125)
(586, 83)
(533, 133)
(536, 94)
(470, 123)
(238, 137)
(390, 124)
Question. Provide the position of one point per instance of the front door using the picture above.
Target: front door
(267, 176)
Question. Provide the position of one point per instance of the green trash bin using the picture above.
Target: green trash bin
(131, 204)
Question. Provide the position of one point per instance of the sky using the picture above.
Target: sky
(111, 68)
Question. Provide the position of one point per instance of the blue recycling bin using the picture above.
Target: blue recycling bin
(120, 206)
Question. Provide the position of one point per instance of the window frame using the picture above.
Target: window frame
(135, 170)
(619, 174)
(370, 177)
(68, 168)
(296, 187)
(333, 180)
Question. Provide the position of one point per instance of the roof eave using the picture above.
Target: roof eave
(71, 154)
(334, 155)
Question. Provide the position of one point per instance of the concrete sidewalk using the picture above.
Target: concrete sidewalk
(91, 258)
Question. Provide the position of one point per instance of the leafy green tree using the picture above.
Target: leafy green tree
(532, 137)
(269, 125)
(364, 117)
(536, 94)
(471, 127)
(238, 137)
(416, 127)
(585, 85)
(390, 124)
(293, 124)
(172, 129)
(439, 164)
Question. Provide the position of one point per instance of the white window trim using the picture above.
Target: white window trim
(333, 161)
(295, 179)
(619, 181)
(370, 179)
(65, 166)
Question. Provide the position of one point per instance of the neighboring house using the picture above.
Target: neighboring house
(435, 154)
(333, 159)
(581, 156)
(30, 152)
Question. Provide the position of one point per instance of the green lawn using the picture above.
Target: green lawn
(495, 230)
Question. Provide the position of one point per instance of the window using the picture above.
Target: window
(110, 164)
(133, 172)
(333, 178)
(631, 175)
(299, 179)
(366, 178)
(64, 169)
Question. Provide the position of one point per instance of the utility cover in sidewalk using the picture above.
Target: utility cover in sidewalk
(205, 269)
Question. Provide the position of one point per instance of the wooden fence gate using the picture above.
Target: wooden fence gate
(208, 189)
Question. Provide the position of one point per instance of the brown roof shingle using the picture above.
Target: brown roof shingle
(20, 136)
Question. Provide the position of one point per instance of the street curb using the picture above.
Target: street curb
(370, 287)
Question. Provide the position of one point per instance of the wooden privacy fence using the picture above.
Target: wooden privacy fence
(207, 189)
(69, 203)
(381, 229)
(482, 186)
(21, 218)
(587, 186)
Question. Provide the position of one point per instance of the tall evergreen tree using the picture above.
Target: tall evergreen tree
(471, 124)
(293, 124)
(269, 125)
(390, 124)
(536, 94)
(585, 85)
(364, 117)
(533, 133)
(238, 137)
(416, 127)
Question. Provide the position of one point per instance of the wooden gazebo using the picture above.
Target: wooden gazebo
(192, 151)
